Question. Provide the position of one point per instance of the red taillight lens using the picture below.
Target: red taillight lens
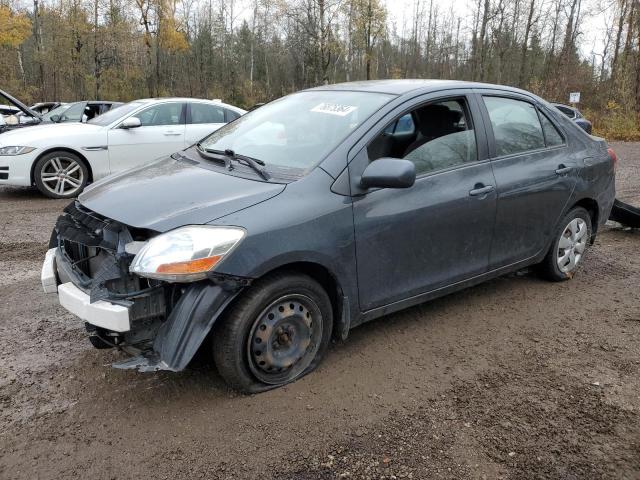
(613, 157)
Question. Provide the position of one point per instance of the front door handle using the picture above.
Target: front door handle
(562, 169)
(479, 191)
(172, 134)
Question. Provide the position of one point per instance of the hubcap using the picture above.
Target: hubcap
(572, 245)
(284, 339)
(62, 175)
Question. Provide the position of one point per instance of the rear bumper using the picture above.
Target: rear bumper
(101, 313)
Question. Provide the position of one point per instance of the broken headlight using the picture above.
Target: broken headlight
(185, 254)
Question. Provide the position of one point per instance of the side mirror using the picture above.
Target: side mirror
(389, 173)
(55, 118)
(131, 122)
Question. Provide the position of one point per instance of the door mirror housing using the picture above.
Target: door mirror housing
(131, 122)
(389, 173)
(55, 118)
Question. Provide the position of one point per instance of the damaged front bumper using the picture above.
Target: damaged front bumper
(161, 325)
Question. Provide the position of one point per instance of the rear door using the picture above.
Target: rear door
(162, 132)
(438, 232)
(535, 175)
(203, 118)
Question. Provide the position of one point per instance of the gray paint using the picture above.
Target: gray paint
(387, 249)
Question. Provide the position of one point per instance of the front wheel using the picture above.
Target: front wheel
(60, 174)
(569, 246)
(278, 331)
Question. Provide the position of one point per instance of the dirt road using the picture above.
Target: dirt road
(517, 378)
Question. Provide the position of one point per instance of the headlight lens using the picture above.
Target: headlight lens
(15, 150)
(185, 254)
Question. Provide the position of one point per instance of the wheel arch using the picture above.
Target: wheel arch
(330, 283)
(591, 206)
(61, 149)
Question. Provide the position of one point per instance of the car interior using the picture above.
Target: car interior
(434, 136)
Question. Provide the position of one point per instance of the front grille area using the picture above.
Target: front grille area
(81, 238)
(92, 248)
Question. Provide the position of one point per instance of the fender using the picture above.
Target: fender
(186, 328)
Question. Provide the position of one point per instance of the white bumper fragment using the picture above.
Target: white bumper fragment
(48, 274)
(101, 314)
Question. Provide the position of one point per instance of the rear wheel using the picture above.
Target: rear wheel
(60, 174)
(278, 331)
(569, 246)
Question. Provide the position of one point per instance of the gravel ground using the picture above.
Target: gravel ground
(516, 378)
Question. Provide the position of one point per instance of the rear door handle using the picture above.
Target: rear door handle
(476, 192)
(562, 170)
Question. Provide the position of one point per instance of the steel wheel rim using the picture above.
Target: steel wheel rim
(62, 175)
(572, 245)
(284, 339)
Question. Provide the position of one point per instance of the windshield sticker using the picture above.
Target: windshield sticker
(334, 109)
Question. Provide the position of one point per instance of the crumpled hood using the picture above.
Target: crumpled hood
(171, 193)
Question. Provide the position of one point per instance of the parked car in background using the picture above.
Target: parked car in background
(45, 107)
(320, 211)
(79, 111)
(16, 114)
(61, 158)
(575, 115)
(6, 110)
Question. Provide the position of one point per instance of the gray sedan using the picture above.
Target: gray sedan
(321, 211)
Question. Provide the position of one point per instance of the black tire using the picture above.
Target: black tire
(550, 267)
(64, 182)
(249, 332)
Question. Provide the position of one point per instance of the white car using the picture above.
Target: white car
(60, 159)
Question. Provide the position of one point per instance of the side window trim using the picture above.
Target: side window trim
(553, 125)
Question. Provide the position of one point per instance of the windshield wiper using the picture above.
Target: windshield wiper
(228, 155)
(219, 156)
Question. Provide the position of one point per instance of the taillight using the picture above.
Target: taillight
(613, 157)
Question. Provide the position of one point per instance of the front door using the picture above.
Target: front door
(161, 133)
(438, 232)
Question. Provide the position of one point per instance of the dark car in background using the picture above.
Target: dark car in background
(323, 210)
(575, 115)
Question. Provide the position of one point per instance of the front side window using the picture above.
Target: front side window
(434, 137)
(516, 126)
(162, 114)
(297, 131)
(205, 113)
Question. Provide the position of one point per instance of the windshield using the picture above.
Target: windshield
(299, 130)
(57, 111)
(115, 114)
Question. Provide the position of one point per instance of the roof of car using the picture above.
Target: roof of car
(187, 99)
(403, 86)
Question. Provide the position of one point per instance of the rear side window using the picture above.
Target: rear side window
(205, 113)
(231, 115)
(516, 126)
(551, 133)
